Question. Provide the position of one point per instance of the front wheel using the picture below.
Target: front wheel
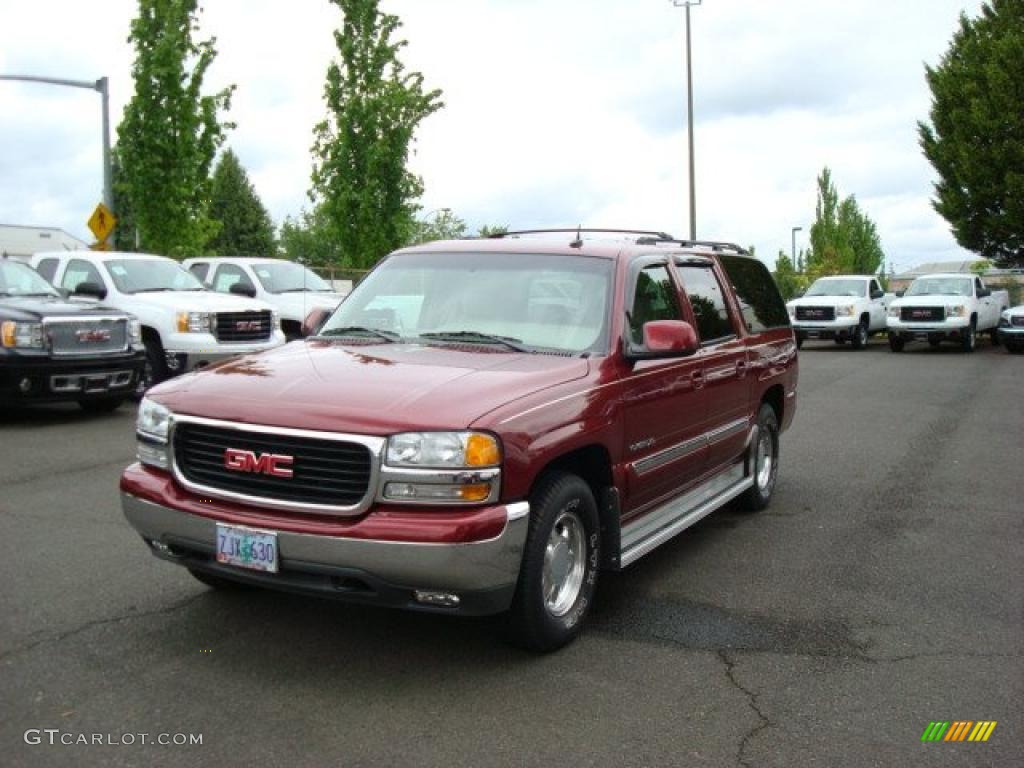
(558, 575)
(764, 463)
(970, 338)
(154, 371)
(860, 335)
(896, 344)
(994, 335)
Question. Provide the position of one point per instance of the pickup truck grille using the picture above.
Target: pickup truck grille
(322, 472)
(815, 313)
(81, 337)
(1017, 320)
(243, 326)
(922, 314)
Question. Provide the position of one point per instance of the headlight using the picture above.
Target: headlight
(151, 429)
(846, 311)
(443, 450)
(957, 311)
(193, 322)
(135, 331)
(894, 311)
(22, 335)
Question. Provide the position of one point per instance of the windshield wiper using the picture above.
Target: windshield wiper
(295, 290)
(471, 336)
(354, 330)
(153, 290)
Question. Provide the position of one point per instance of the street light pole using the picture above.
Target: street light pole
(793, 247)
(689, 114)
(102, 86)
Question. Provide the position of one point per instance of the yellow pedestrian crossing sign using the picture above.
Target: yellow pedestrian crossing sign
(102, 222)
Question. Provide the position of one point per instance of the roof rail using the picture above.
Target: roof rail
(714, 245)
(580, 230)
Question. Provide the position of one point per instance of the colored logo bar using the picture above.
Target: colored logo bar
(959, 730)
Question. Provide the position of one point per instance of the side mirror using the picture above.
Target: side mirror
(984, 293)
(314, 321)
(899, 294)
(665, 338)
(95, 290)
(877, 294)
(241, 289)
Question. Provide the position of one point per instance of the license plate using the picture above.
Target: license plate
(922, 336)
(247, 548)
(813, 334)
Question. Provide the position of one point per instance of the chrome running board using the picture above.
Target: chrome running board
(678, 514)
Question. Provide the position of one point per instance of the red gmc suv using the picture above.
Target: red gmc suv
(482, 426)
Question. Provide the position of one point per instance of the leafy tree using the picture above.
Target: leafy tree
(125, 229)
(488, 230)
(308, 238)
(170, 132)
(785, 276)
(245, 225)
(360, 179)
(443, 225)
(975, 139)
(843, 238)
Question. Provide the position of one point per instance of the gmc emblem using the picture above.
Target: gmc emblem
(273, 464)
(245, 326)
(92, 335)
(921, 313)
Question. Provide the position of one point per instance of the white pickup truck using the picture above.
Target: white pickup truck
(293, 289)
(946, 307)
(184, 325)
(1011, 329)
(842, 308)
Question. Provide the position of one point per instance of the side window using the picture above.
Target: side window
(228, 275)
(79, 272)
(978, 287)
(875, 286)
(47, 268)
(200, 270)
(708, 302)
(654, 299)
(759, 298)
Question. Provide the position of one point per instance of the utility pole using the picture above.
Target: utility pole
(689, 114)
(102, 86)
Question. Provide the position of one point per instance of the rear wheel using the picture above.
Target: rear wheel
(764, 463)
(896, 344)
(860, 335)
(558, 575)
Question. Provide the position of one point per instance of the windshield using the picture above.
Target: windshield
(287, 277)
(512, 300)
(837, 288)
(142, 275)
(17, 279)
(940, 286)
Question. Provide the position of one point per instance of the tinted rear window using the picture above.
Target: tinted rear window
(759, 298)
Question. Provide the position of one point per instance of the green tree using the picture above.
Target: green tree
(308, 238)
(490, 230)
(360, 179)
(843, 239)
(975, 139)
(125, 229)
(245, 225)
(785, 276)
(442, 225)
(170, 132)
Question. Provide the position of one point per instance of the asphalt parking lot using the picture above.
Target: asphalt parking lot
(882, 590)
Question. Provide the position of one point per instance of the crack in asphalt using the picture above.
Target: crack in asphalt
(60, 637)
(764, 721)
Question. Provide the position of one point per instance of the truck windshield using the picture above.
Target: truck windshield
(510, 301)
(940, 286)
(145, 275)
(17, 279)
(287, 277)
(834, 287)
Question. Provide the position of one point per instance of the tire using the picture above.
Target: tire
(766, 462)
(839, 342)
(154, 371)
(558, 575)
(934, 343)
(213, 581)
(101, 404)
(799, 342)
(860, 336)
(1014, 347)
(896, 344)
(970, 339)
(994, 335)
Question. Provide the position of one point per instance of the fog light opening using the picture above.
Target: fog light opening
(25, 385)
(431, 597)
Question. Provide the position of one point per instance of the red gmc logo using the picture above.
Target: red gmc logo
(97, 335)
(921, 313)
(273, 464)
(247, 325)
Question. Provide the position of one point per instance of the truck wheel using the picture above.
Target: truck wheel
(994, 335)
(214, 581)
(860, 336)
(934, 343)
(799, 342)
(970, 338)
(765, 469)
(839, 342)
(559, 571)
(101, 404)
(896, 344)
(155, 369)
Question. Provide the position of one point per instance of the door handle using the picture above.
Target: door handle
(741, 368)
(697, 378)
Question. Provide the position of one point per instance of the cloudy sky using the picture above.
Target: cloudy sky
(558, 112)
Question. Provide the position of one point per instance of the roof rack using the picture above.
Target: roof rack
(580, 230)
(714, 245)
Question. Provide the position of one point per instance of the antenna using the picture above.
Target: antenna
(578, 242)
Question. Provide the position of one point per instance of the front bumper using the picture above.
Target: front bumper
(950, 329)
(1012, 332)
(29, 379)
(189, 351)
(481, 574)
(837, 329)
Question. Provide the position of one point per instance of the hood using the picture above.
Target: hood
(930, 301)
(30, 308)
(200, 301)
(823, 301)
(295, 306)
(375, 389)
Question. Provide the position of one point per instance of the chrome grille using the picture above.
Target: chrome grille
(922, 314)
(1017, 320)
(816, 313)
(92, 336)
(243, 326)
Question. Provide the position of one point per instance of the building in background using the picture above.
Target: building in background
(19, 242)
